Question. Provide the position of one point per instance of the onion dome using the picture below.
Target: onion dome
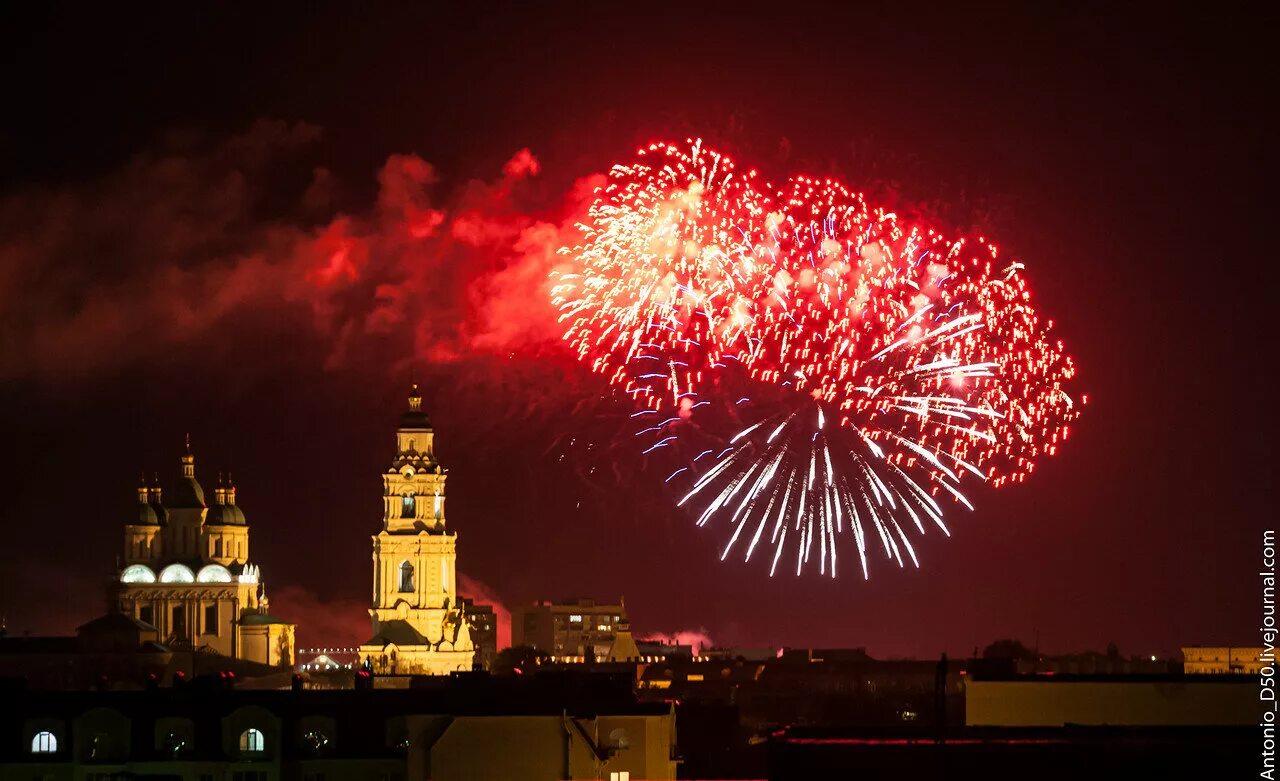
(187, 494)
(146, 513)
(224, 511)
(162, 515)
(225, 515)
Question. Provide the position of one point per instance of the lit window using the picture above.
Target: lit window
(620, 775)
(175, 743)
(316, 741)
(213, 573)
(251, 740)
(575, 619)
(44, 743)
(137, 573)
(406, 506)
(177, 573)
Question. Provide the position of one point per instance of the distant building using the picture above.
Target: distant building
(484, 630)
(116, 652)
(1115, 700)
(660, 650)
(419, 627)
(327, 659)
(749, 654)
(1093, 663)
(624, 648)
(1201, 660)
(579, 628)
(187, 573)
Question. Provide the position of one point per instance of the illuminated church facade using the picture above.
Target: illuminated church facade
(186, 571)
(419, 624)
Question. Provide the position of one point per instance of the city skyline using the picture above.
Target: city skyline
(146, 321)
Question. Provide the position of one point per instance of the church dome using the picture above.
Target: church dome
(147, 515)
(187, 494)
(415, 420)
(225, 515)
(414, 417)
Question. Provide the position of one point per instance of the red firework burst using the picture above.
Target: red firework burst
(698, 288)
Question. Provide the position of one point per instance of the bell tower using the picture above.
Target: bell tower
(418, 624)
(413, 487)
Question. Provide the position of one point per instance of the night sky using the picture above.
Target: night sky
(254, 227)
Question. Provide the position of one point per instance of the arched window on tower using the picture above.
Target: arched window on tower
(406, 506)
(406, 576)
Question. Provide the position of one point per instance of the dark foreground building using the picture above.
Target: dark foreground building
(1016, 754)
(470, 726)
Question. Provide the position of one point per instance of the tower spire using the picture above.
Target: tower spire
(415, 397)
(188, 460)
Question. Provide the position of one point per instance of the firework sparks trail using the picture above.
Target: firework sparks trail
(835, 370)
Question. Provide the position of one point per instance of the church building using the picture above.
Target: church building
(186, 571)
(419, 624)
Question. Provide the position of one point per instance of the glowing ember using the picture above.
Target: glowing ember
(815, 366)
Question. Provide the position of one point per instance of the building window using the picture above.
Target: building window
(44, 743)
(179, 623)
(316, 741)
(575, 619)
(217, 548)
(145, 615)
(444, 577)
(406, 506)
(175, 743)
(406, 577)
(251, 740)
(211, 619)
